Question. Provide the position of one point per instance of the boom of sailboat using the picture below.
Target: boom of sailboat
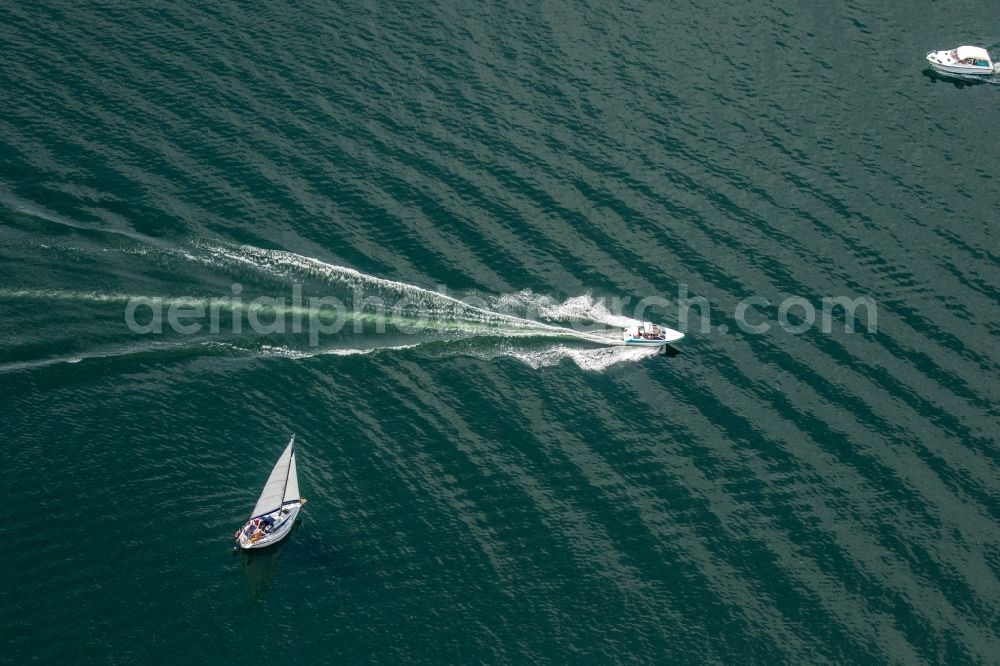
(279, 503)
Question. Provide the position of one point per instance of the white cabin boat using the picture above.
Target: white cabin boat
(649, 335)
(962, 60)
(278, 505)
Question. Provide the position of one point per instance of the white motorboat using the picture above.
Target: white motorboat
(649, 335)
(962, 60)
(279, 503)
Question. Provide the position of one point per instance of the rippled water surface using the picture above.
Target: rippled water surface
(486, 484)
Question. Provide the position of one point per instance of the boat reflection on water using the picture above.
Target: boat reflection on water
(261, 566)
(958, 80)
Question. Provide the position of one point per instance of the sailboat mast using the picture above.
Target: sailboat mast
(291, 456)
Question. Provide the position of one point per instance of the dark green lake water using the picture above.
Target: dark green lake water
(490, 490)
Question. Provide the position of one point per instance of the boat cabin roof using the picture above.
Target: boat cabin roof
(966, 52)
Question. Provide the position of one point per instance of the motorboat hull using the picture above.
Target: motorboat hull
(642, 342)
(279, 532)
(962, 69)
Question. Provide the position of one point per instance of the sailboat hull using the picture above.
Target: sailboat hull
(278, 532)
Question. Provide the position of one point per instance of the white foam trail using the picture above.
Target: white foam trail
(282, 262)
(15, 366)
(468, 327)
(286, 352)
(14, 203)
(592, 360)
(588, 309)
(577, 308)
(98, 297)
(265, 351)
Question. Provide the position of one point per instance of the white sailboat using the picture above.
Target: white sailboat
(279, 503)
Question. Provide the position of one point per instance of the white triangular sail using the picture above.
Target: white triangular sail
(282, 483)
